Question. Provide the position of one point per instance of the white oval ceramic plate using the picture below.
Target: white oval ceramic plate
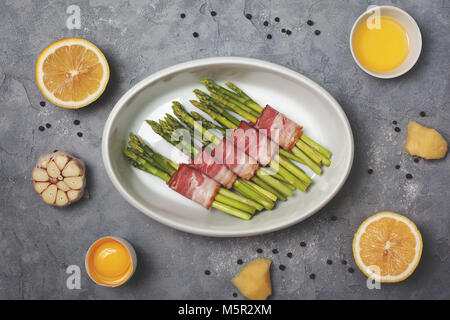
(298, 97)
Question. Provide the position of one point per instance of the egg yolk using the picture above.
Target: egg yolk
(109, 262)
(380, 44)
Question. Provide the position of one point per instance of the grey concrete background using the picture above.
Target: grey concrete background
(38, 242)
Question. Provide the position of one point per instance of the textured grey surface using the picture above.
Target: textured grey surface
(38, 242)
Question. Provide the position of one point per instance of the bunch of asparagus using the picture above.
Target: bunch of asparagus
(222, 101)
(143, 157)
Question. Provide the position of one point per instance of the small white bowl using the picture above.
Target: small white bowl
(127, 246)
(414, 36)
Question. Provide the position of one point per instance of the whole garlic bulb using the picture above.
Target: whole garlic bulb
(59, 178)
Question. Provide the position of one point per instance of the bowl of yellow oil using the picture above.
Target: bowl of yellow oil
(385, 41)
(110, 261)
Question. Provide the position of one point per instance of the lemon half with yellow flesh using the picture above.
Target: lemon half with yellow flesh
(72, 73)
(387, 247)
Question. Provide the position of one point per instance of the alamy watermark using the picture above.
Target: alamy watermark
(74, 279)
(74, 19)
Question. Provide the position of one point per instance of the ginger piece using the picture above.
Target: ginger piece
(59, 178)
(253, 281)
(425, 142)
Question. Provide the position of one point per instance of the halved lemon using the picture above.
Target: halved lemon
(387, 247)
(72, 73)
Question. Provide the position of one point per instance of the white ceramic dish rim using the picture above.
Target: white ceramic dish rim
(222, 61)
(400, 71)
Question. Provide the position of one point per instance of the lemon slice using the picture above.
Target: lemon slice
(387, 247)
(72, 73)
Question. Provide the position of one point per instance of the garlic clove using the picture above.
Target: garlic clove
(49, 194)
(73, 169)
(43, 160)
(39, 174)
(53, 170)
(74, 182)
(62, 186)
(61, 199)
(61, 160)
(74, 195)
(40, 186)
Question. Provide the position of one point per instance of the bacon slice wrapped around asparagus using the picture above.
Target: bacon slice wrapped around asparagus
(194, 185)
(206, 164)
(282, 130)
(255, 144)
(235, 159)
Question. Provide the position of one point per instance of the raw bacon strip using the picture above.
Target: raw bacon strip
(255, 144)
(194, 185)
(282, 130)
(235, 159)
(207, 165)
